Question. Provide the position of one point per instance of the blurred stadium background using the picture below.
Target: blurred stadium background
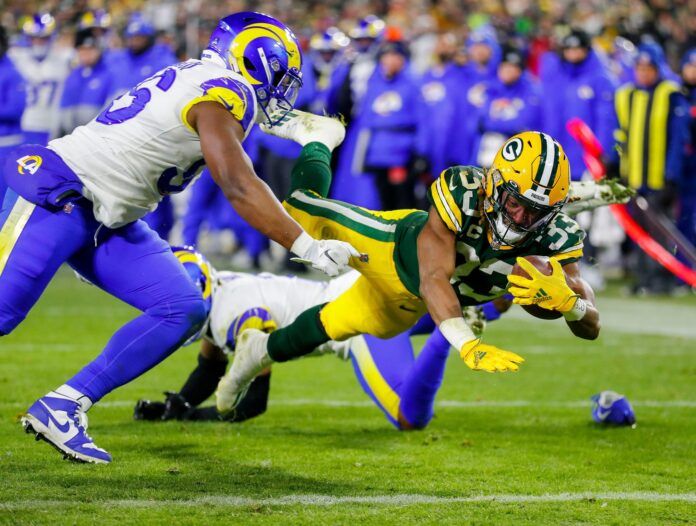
(421, 85)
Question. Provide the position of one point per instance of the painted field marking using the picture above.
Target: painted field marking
(383, 500)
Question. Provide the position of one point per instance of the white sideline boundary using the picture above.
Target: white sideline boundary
(456, 404)
(378, 500)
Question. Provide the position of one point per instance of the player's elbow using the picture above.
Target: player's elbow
(235, 188)
(587, 332)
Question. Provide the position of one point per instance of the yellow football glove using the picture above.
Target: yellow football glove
(483, 357)
(549, 292)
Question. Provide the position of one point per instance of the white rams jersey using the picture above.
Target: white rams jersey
(141, 146)
(44, 79)
(283, 297)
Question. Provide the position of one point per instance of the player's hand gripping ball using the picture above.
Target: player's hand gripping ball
(539, 285)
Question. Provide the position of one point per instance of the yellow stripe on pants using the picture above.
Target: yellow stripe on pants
(382, 391)
(12, 229)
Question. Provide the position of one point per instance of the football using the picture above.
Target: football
(541, 263)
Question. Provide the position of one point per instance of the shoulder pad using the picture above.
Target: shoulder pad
(455, 195)
(562, 238)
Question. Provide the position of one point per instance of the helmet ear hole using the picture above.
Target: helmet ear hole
(249, 65)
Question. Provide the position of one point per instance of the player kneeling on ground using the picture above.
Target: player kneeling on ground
(459, 253)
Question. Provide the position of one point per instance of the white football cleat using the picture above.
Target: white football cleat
(588, 195)
(62, 423)
(250, 358)
(303, 128)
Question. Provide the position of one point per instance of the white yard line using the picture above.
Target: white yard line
(382, 500)
(442, 403)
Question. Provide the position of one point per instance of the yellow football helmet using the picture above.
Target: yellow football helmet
(525, 187)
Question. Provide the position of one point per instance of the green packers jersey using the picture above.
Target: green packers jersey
(481, 271)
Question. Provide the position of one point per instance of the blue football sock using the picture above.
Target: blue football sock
(425, 325)
(423, 381)
(137, 347)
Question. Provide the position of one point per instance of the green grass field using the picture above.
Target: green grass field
(503, 449)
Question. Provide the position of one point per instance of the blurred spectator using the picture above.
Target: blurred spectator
(440, 88)
(12, 103)
(687, 214)
(44, 66)
(483, 52)
(325, 53)
(653, 129)
(349, 82)
(388, 125)
(512, 104)
(90, 85)
(143, 56)
(577, 84)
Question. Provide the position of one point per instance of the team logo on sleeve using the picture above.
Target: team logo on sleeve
(29, 164)
(513, 149)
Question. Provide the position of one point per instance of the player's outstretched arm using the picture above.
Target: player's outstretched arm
(588, 326)
(221, 138)
(436, 262)
(221, 142)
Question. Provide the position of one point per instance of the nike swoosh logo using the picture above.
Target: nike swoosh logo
(603, 414)
(402, 307)
(452, 185)
(62, 427)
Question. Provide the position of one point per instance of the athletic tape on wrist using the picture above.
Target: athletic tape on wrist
(577, 312)
(457, 332)
(301, 245)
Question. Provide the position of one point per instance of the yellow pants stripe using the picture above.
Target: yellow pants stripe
(13, 227)
(386, 396)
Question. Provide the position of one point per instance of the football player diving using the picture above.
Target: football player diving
(81, 199)
(400, 384)
(461, 252)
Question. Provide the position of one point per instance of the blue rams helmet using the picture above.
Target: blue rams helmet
(331, 40)
(610, 407)
(201, 273)
(40, 25)
(369, 27)
(139, 26)
(265, 52)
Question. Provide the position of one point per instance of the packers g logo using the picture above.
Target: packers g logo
(513, 149)
(29, 164)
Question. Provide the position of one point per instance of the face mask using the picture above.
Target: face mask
(40, 51)
(506, 233)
